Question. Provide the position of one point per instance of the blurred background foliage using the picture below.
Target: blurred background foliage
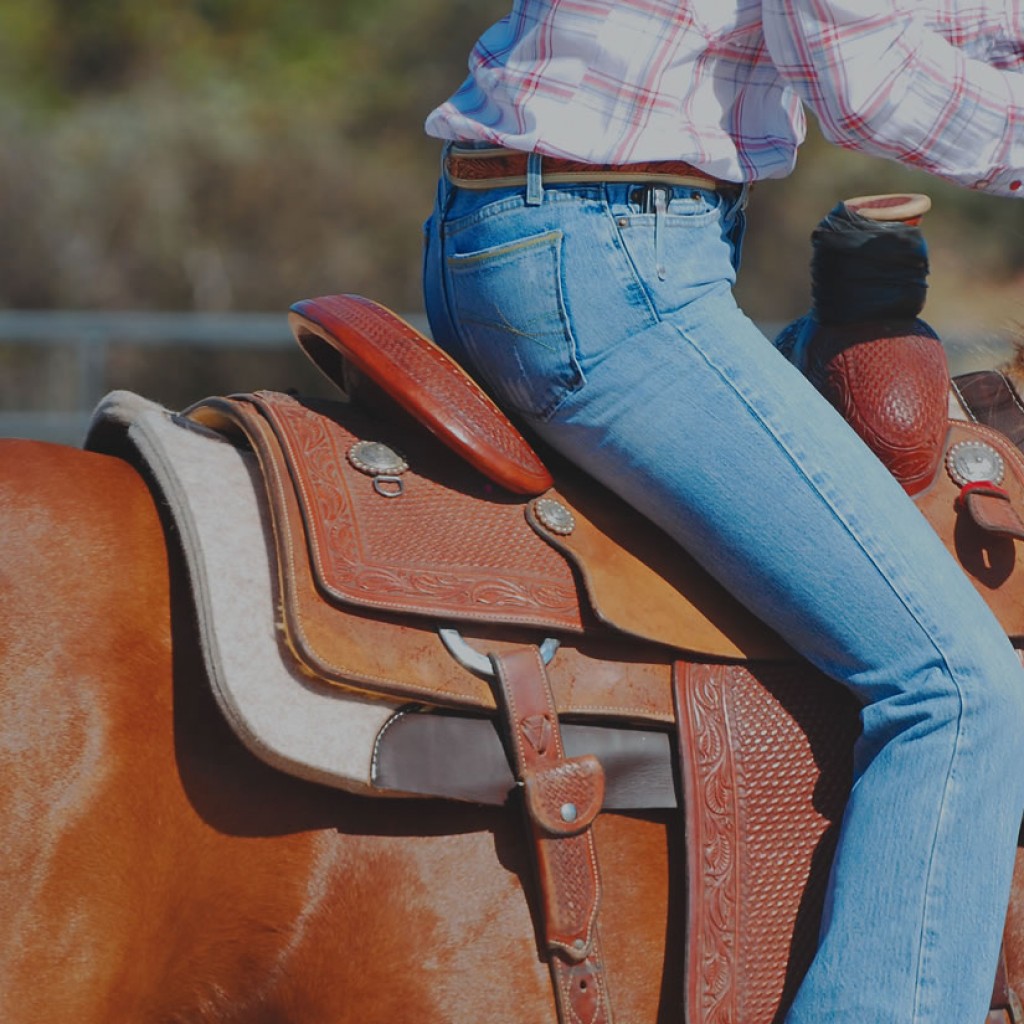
(240, 154)
(219, 154)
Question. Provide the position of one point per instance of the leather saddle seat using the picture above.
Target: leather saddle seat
(419, 558)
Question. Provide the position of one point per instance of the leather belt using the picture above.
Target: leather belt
(506, 168)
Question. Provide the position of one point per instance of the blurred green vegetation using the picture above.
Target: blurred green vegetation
(220, 154)
(240, 154)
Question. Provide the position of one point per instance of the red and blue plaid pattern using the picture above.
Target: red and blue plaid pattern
(721, 84)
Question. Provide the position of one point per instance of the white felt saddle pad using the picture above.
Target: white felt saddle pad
(215, 495)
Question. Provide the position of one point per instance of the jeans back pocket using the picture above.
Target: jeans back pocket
(509, 309)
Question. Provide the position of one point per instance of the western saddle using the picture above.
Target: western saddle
(426, 553)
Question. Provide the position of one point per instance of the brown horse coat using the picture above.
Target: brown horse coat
(154, 871)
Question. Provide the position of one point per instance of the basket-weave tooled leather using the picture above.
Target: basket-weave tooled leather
(891, 383)
(564, 799)
(766, 757)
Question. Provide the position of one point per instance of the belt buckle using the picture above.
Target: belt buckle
(652, 198)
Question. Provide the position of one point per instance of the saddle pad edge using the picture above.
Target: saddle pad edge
(278, 737)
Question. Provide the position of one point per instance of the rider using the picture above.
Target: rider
(581, 260)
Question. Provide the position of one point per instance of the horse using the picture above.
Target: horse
(155, 870)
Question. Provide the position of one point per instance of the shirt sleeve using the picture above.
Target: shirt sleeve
(882, 80)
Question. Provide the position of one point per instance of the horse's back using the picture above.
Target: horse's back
(84, 600)
(83, 567)
(152, 869)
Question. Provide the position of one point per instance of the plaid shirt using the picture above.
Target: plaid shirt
(935, 84)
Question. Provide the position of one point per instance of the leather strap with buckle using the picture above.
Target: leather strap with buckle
(506, 168)
(562, 797)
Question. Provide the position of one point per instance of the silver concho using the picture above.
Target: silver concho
(376, 459)
(554, 516)
(384, 464)
(969, 462)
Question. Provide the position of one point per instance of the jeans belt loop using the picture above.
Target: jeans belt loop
(534, 181)
(660, 197)
(444, 184)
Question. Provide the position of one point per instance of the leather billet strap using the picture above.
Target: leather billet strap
(562, 797)
(506, 168)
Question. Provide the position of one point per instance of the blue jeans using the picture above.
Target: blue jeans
(613, 334)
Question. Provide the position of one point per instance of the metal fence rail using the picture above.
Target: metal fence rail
(91, 336)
